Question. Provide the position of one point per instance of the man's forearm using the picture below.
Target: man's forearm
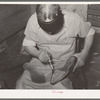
(87, 44)
(32, 51)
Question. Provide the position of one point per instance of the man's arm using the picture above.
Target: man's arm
(32, 50)
(84, 53)
(87, 45)
(43, 56)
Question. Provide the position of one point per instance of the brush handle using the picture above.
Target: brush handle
(51, 64)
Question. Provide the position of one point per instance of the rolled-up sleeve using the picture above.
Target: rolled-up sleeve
(28, 42)
(91, 32)
(85, 29)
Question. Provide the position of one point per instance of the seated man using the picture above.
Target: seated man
(50, 37)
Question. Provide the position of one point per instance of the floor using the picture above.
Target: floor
(11, 62)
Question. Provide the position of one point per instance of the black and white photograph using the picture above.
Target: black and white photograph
(47, 46)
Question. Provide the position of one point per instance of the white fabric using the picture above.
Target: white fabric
(27, 42)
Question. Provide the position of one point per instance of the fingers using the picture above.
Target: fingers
(78, 64)
(44, 56)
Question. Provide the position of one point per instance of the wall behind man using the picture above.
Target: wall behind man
(81, 9)
(13, 18)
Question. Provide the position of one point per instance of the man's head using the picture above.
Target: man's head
(50, 18)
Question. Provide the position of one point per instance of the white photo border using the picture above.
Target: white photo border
(50, 94)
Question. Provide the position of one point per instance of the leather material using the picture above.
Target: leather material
(59, 74)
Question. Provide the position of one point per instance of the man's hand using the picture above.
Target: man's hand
(44, 56)
(80, 60)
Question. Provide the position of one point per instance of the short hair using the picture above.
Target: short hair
(46, 12)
